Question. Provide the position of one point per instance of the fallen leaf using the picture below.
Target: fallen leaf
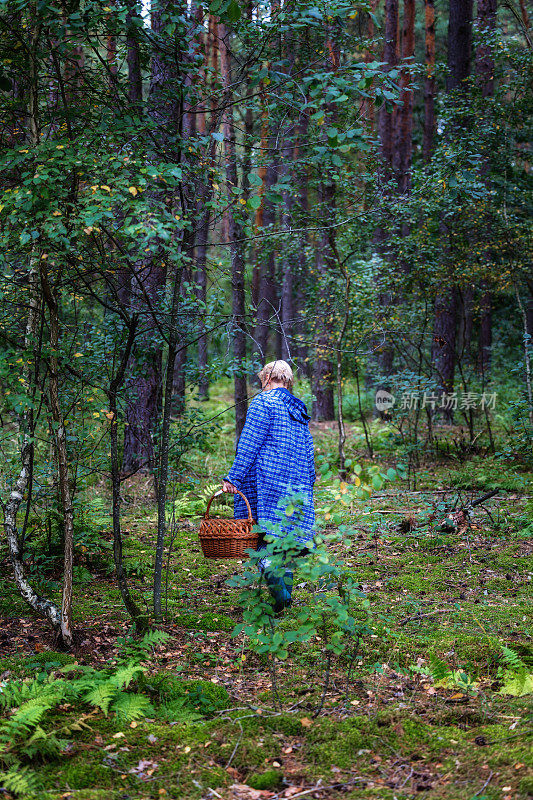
(306, 722)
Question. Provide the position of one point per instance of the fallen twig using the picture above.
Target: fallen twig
(484, 785)
(319, 788)
(418, 615)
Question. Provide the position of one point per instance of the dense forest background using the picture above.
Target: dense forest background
(189, 191)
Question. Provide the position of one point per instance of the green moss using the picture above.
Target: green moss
(526, 785)
(182, 700)
(206, 622)
(45, 661)
(84, 773)
(271, 779)
(334, 744)
(288, 724)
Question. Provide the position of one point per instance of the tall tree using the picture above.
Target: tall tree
(446, 302)
(236, 237)
(486, 23)
(429, 83)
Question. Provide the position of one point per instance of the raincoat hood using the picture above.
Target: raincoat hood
(297, 409)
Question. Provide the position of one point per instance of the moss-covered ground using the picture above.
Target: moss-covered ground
(389, 730)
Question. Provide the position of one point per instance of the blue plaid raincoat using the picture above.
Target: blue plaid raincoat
(275, 460)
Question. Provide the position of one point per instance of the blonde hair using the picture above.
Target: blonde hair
(277, 371)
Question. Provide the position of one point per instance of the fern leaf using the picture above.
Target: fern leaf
(153, 638)
(101, 696)
(512, 659)
(125, 675)
(19, 780)
(130, 706)
(439, 669)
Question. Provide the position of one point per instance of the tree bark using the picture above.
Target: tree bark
(43, 607)
(459, 43)
(236, 240)
(403, 121)
(143, 385)
(202, 242)
(429, 84)
(444, 333)
(302, 183)
(386, 125)
(485, 333)
(140, 619)
(60, 442)
(446, 306)
(267, 294)
(390, 58)
(133, 57)
(323, 378)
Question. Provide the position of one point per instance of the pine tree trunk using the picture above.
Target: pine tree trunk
(446, 305)
(386, 124)
(485, 333)
(133, 57)
(322, 375)
(236, 240)
(403, 119)
(429, 84)
(302, 188)
(140, 620)
(390, 58)
(459, 43)
(144, 383)
(266, 295)
(202, 241)
(444, 335)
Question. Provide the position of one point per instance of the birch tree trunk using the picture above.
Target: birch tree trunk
(51, 298)
(42, 606)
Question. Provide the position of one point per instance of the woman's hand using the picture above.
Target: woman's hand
(229, 487)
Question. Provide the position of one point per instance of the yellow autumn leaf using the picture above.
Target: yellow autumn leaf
(133, 190)
(56, 213)
(105, 188)
(78, 355)
(60, 146)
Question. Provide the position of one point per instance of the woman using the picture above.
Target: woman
(274, 461)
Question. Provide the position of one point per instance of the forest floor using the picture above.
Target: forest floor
(391, 730)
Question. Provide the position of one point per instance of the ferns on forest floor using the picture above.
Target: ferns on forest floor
(28, 705)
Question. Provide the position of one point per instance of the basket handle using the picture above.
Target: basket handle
(221, 491)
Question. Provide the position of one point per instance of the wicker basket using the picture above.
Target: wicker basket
(227, 538)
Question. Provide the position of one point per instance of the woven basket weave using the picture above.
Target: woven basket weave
(227, 538)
